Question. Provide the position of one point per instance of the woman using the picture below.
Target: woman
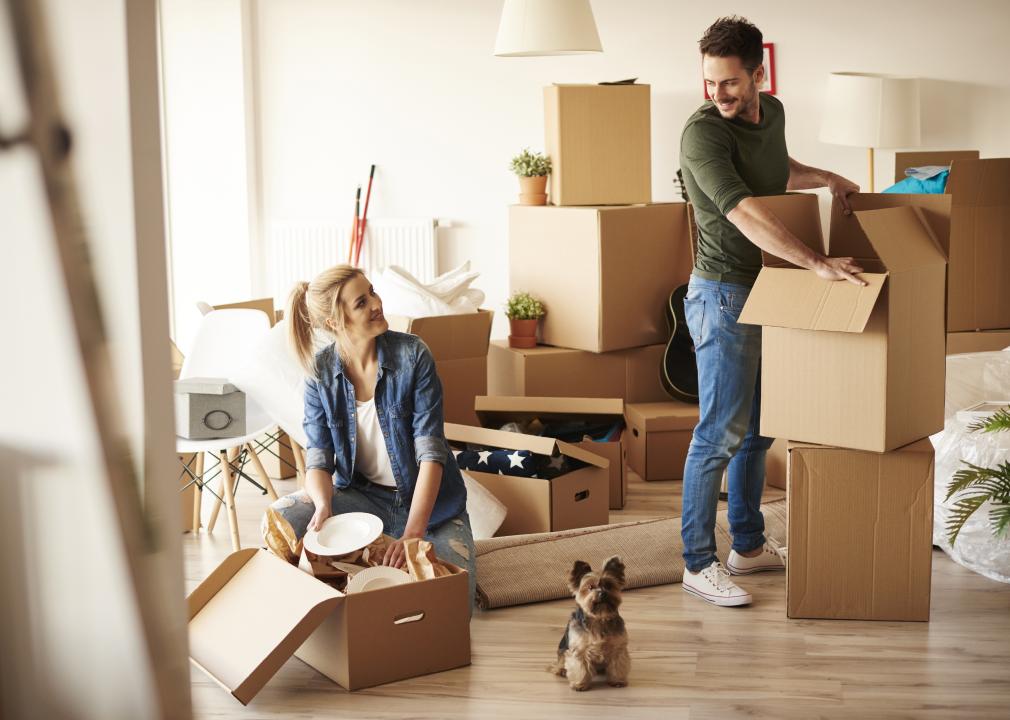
(373, 417)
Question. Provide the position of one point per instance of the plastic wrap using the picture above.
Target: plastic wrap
(971, 378)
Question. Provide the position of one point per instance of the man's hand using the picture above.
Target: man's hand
(841, 188)
(395, 555)
(844, 268)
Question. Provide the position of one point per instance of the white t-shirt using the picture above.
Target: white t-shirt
(371, 457)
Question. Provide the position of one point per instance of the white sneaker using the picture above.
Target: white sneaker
(772, 557)
(713, 584)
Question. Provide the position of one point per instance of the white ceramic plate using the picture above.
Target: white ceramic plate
(344, 533)
(376, 578)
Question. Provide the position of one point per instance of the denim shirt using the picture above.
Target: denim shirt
(408, 403)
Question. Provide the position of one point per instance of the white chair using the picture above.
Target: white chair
(225, 343)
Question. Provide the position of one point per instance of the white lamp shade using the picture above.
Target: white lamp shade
(871, 111)
(547, 27)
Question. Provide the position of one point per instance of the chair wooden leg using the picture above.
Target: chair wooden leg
(198, 493)
(229, 500)
(261, 471)
(296, 450)
(232, 454)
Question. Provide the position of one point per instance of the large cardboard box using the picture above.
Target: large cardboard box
(254, 611)
(972, 222)
(604, 274)
(850, 366)
(579, 498)
(599, 139)
(658, 437)
(632, 375)
(494, 412)
(860, 532)
(459, 345)
(979, 341)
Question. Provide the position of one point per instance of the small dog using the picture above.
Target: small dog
(595, 640)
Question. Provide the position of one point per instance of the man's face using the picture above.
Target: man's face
(731, 87)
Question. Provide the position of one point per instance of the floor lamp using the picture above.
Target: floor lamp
(871, 111)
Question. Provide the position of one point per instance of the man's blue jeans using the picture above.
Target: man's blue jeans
(729, 370)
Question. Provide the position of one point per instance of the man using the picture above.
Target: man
(733, 149)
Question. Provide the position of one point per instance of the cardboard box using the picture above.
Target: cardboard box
(971, 221)
(459, 345)
(254, 611)
(658, 437)
(860, 533)
(579, 498)
(599, 139)
(493, 412)
(850, 366)
(604, 274)
(632, 375)
(979, 341)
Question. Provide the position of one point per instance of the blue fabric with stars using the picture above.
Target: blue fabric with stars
(520, 463)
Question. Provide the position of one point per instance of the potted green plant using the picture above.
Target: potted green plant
(524, 312)
(532, 169)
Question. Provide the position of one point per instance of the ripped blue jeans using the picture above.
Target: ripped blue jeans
(453, 539)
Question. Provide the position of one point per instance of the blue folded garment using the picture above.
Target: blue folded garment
(931, 180)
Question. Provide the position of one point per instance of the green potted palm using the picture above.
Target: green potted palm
(524, 312)
(532, 170)
(975, 485)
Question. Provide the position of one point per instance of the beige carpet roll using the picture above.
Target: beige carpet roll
(520, 569)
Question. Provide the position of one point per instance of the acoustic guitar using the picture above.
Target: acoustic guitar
(679, 369)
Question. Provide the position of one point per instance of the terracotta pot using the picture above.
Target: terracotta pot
(524, 333)
(533, 190)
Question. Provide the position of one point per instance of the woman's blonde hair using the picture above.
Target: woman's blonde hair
(311, 305)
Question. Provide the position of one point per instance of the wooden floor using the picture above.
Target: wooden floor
(689, 659)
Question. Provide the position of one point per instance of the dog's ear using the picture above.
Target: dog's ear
(614, 568)
(579, 569)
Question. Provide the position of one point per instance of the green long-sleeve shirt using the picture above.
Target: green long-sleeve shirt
(725, 161)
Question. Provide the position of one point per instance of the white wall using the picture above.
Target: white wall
(71, 644)
(414, 87)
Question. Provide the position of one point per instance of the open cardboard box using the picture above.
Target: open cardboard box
(254, 611)
(860, 532)
(658, 437)
(604, 274)
(459, 345)
(850, 366)
(493, 412)
(546, 371)
(579, 498)
(978, 341)
(971, 220)
(599, 140)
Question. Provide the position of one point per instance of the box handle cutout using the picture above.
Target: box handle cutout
(634, 431)
(408, 618)
(582, 495)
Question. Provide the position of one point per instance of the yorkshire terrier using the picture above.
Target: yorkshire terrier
(595, 640)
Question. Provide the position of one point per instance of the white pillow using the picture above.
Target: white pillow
(486, 512)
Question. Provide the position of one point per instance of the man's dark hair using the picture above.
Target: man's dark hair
(734, 36)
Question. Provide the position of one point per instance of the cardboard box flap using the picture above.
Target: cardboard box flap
(449, 337)
(792, 298)
(905, 160)
(980, 183)
(499, 409)
(901, 237)
(519, 441)
(847, 238)
(250, 615)
(800, 214)
(919, 446)
(663, 416)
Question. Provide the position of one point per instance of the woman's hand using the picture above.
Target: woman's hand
(396, 555)
(321, 515)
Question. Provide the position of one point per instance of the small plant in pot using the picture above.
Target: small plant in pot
(532, 169)
(524, 312)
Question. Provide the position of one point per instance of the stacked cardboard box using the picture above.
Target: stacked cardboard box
(856, 375)
(972, 221)
(604, 259)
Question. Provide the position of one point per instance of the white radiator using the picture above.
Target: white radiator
(299, 250)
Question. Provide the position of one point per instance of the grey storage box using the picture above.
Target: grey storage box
(208, 408)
